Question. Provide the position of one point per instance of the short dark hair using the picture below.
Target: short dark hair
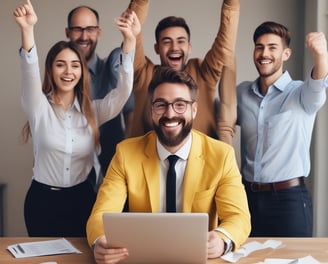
(166, 74)
(171, 21)
(270, 27)
(71, 13)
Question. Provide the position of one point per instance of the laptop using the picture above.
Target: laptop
(159, 238)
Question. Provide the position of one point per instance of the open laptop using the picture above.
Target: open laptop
(159, 237)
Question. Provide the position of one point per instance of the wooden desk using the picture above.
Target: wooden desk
(293, 248)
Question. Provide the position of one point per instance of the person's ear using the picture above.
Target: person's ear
(99, 32)
(286, 54)
(156, 48)
(67, 32)
(194, 110)
(189, 49)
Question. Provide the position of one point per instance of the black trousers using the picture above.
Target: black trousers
(283, 213)
(61, 212)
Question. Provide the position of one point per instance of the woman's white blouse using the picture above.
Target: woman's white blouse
(63, 143)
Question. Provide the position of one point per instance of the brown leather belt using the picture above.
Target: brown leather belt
(274, 186)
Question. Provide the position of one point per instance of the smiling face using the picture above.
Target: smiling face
(67, 72)
(173, 47)
(172, 129)
(269, 55)
(86, 40)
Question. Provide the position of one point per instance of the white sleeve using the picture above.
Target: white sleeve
(112, 104)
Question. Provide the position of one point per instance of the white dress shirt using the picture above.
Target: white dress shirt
(63, 143)
(180, 167)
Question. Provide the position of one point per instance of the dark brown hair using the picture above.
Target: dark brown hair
(270, 27)
(166, 74)
(171, 21)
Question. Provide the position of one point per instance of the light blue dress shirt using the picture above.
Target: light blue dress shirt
(276, 129)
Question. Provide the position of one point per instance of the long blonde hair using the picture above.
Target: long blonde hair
(81, 89)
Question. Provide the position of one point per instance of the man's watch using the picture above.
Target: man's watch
(228, 245)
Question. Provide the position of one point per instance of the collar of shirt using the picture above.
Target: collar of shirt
(93, 64)
(279, 84)
(75, 104)
(182, 153)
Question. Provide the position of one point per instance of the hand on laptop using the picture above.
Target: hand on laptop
(215, 245)
(104, 254)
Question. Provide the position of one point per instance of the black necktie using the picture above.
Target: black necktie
(170, 185)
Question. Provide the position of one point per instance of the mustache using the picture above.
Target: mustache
(164, 119)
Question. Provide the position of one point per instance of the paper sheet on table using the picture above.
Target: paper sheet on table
(42, 248)
(248, 248)
(305, 260)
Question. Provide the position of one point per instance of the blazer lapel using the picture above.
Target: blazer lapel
(193, 174)
(152, 171)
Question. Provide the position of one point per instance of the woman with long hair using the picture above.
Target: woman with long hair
(63, 124)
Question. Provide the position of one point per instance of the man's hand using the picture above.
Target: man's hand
(105, 255)
(215, 245)
(316, 42)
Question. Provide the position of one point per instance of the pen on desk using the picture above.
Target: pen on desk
(20, 248)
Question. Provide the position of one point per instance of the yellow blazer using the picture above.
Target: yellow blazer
(212, 184)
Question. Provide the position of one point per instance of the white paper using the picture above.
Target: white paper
(248, 248)
(305, 260)
(42, 248)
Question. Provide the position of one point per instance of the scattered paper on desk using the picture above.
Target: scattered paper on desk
(305, 260)
(248, 248)
(42, 248)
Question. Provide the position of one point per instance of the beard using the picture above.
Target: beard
(170, 139)
(265, 73)
(90, 52)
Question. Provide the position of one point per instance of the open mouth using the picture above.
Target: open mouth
(84, 45)
(264, 62)
(171, 124)
(66, 79)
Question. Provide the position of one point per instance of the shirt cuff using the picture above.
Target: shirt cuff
(30, 56)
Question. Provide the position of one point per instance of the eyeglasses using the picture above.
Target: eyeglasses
(91, 30)
(179, 106)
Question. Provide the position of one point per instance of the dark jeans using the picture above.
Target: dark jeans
(58, 213)
(283, 213)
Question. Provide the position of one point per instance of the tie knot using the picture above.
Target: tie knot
(172, 159)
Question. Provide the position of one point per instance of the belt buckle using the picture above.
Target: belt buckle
(55, 189)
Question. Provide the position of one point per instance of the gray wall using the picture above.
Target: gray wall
(203, 16)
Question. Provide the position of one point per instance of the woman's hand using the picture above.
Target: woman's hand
(26, 19)
(129, 25)
(25, 15)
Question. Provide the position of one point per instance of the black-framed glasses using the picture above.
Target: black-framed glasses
(79, 30)
(179, 106)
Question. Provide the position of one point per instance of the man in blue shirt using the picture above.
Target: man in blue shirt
(276, 115)
(83, 29)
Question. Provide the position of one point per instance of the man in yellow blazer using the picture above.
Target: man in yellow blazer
(208, 179)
